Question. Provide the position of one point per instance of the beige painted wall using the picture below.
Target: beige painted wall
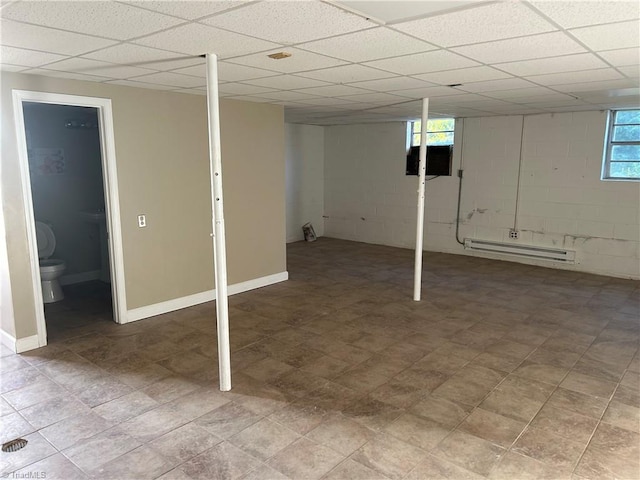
(162, 161)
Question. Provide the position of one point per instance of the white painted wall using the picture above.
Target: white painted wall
(304, 171)
(562, 201)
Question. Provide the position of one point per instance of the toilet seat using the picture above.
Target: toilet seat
(45, 239)
(51, 265)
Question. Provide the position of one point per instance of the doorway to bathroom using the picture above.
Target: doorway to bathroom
(67, 160)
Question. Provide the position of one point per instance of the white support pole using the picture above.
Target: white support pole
(417, 276)
(219, 250)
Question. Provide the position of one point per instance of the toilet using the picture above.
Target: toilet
(50, 268)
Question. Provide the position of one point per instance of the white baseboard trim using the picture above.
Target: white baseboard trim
(202, 297)
(21, 344)
(258, 283)
(80, 277)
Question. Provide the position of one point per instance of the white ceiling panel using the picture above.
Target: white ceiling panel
(367, 45)
(338, 101)
(242, 89)
(133, 83)
(429, 92)
(377, 97)
(622, 57)
(632, 71)
(401, 9)
(299, 61)
(287, 82)
(392, 84)
(507, 20)
(290, 22)
(423, 63)
(191, 91)
(230, 72)
(187, 9)
(492, 85)
(567, 63)
(69, 75)
(523, 48)
(513, 95)
(334, 90)
(570, 14)
(295, 96)
(5, 67)
(139, 56)
(463, 75)
(94, 67)
(347, 74)
(196, 39)
(29, 58)
(603, 86)
(576, 77)
(33, 37)
(172, 79)
(609, 37)
(104, 19)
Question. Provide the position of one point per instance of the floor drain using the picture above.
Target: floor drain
(14, 445)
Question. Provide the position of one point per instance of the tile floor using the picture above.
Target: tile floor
(503, 371)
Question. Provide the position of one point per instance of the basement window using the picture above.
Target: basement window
(622, 146)
(440, 135)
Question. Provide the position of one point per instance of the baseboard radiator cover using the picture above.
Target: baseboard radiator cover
(519, 250)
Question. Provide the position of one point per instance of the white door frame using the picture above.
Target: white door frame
(112, 203)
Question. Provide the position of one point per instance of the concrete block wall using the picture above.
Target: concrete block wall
(562, 201)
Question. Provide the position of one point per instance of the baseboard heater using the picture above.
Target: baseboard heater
(518, 250)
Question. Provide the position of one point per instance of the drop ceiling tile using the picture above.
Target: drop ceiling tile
(325, 101)
(286, 82)
(570, 14)
(189, 10)
(609, 37)
(191, 91)
(198, 71)
(146, 57)
(510, 95)
(347, 74)
(484, 23)
(27, 58)
(423, 63)
(463, 75)
(429, 92)
(377, 97)
(287, 95)
(133, 83)
(632, 71)
(367, 45)
(544, 99)
(460, 98)
(392, 84)
(493, 85)
(69, 75)
(197, 39)
(334, 90)
(523, 48)
(94, 67)
(172, 79)
(230, 72)
(33, 37)
(290, 22)
(104, 19)
(241, 89)
(622, 57)
(299, 61)
(5, 67)
(399, 10)
(246, 98)
(576, 77)
(541, 66)
(605, 85)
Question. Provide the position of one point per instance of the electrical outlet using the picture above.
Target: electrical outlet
(514, 234)
(142, 221)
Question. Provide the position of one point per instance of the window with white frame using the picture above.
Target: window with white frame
(439, 131)
(622, 146)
